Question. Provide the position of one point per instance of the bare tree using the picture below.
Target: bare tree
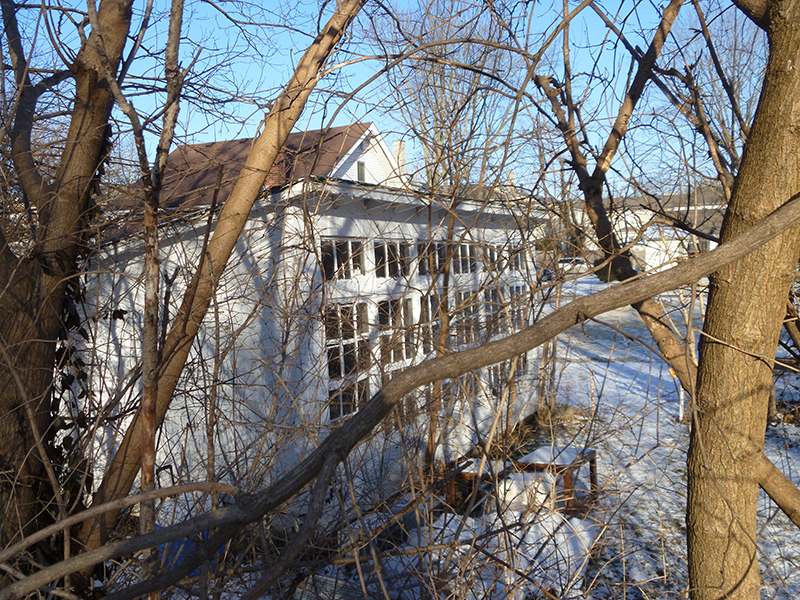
(36, 282)
(739, 576)
(732, 409)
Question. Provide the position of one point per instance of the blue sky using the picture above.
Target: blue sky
(241, 67)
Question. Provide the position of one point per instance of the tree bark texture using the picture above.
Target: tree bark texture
(32, 295)
(746, 306)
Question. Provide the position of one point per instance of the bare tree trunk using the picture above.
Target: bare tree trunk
(33, 289)
(746, 306)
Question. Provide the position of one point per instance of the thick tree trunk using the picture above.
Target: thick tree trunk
(32, 295)
(24, 325)
(745, 310)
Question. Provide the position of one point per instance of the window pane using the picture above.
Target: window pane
(441, 254)
(328, 262)
(350, 359)
(422, 261)
(363, 319)
(343, 258)
(492, 256)
(383, 313)
(394, 260)
(335, 405)
(332, 323)
(380, 260)
(348, 329)
(364, 355)
(357, 257)
(334, 366)
(404, 259)
(348, 400)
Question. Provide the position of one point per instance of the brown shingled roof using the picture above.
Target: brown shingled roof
(192, 171)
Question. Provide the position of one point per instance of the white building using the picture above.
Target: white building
(666, 228)
(659, 230)
(345, 273)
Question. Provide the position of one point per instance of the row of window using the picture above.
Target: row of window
(345, 258)
(347, 336)
(347, 328)
(351, 353)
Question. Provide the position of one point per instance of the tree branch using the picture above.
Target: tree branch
(82, 516)
(646, 65)
(777, 485)
(755, 10)
(27, 95)
(720, 71)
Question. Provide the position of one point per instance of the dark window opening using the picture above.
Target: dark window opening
(342, 258)
(391, 259)
(380, 260)
(423, 251)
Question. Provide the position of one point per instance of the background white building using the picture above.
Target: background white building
(346, 272)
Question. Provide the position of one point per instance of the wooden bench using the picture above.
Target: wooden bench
(562, 462)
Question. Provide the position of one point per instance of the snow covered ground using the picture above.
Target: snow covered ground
(641, 446)
(627, 408)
